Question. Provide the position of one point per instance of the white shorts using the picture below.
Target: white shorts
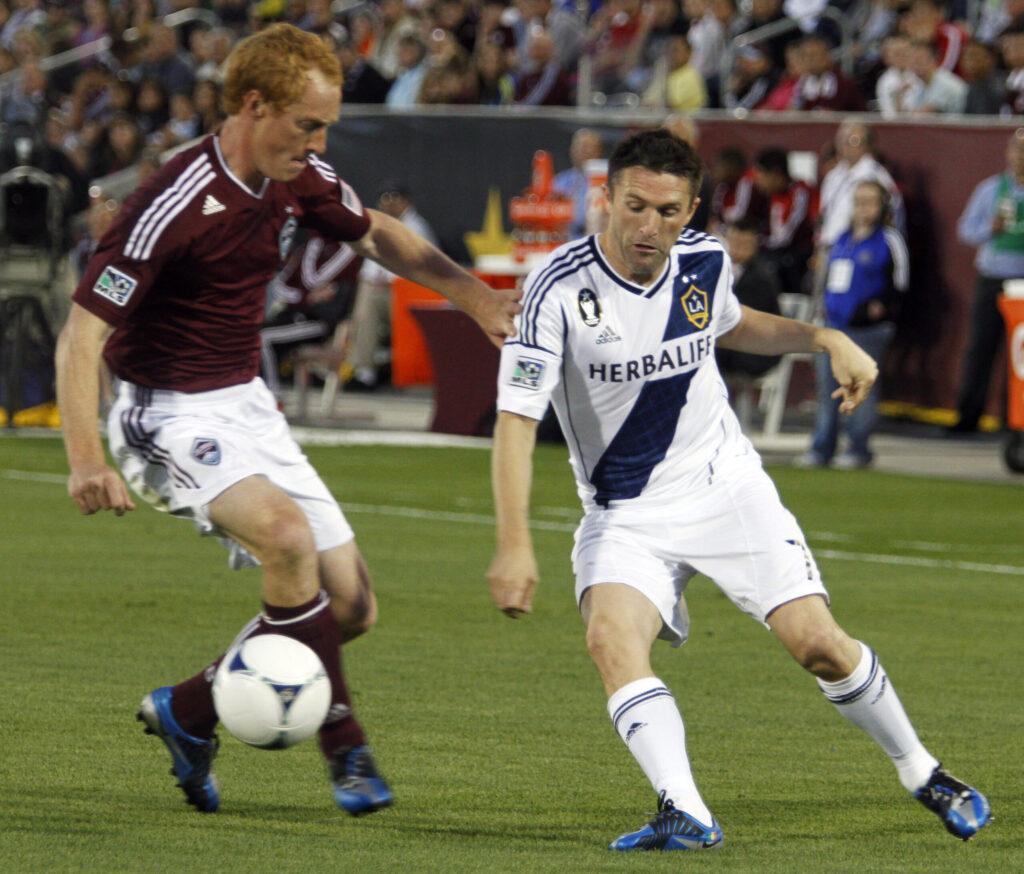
(178, 451)
(734, 530)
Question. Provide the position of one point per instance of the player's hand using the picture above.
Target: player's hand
(494, 311)
(512, 578)
(855, 371)
(99, 488)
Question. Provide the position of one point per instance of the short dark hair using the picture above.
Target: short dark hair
(773, 160)
(660, 152)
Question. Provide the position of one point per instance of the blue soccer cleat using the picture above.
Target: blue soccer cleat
(192, 756)
(358, 787)
(671, 829)
(964, 811)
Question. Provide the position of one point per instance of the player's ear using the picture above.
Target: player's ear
(255, 104)
(693, 208)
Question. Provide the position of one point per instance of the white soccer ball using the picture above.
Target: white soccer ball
(271, 692)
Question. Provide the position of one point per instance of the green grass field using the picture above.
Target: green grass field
(493, 733)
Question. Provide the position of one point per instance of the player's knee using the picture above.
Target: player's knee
(819, 652)
(287, 540)
(606, 642)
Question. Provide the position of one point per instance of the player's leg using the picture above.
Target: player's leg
(357, 785)
(621, 625)
(851, 677)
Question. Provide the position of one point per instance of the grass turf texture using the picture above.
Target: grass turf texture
(493, 732)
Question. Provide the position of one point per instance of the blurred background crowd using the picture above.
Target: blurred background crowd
(111, 83)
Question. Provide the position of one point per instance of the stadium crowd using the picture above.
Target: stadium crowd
(141, 86)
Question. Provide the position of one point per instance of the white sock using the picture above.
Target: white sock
(645, 715)
(867, 698)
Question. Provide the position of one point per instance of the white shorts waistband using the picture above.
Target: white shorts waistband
(141, 396)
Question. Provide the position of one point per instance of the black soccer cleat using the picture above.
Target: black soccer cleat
(671, 829)
(964, 811)
(192, 756)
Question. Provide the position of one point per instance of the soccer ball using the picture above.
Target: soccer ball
(271, 691)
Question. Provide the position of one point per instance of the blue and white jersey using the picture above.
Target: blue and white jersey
(630, 369)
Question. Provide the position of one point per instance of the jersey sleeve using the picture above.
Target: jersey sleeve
(330, 206)
(147, 235)
(530, 367)
(729, 312)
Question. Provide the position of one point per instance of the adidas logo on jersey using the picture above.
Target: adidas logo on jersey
(212, 205)
(608, 335)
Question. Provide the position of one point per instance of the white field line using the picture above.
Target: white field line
(568, 528)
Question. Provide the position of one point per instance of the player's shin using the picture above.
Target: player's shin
(867, 698)
(645, 715)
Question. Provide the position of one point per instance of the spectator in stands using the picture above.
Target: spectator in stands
(24, 15)
(567, 30)
(713, 23)
(548, 84)
(764, 12)
(118, 148)
(660, 20)
(1012, 47)
(492, 26)
(993, 221)
(27, 100)
(60, 29)
(751, 80)
(683, 89)
(855, 143)
(448, 78)
(868, 274)
(986, 86)
(787, 229)
(495, 85)
(206, 100)
(216, 46)
(823, 85)
(371, 313)
(363, 82)
(898, 88)
(585, 146)
(97, 22)
(412, 67)
(183, 124)
(943, 91)
(163, 60)
(727, 168)
(320, 20)
(926, 22)
(453, 16)
(152, 108)
(395, 23)
(783, 95)
(756, 286)
(612, 31)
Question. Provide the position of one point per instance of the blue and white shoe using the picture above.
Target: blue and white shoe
(358, 787)
(964, 811)
(192, 756)
(671, 829)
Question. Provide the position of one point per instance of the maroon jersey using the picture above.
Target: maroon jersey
(182, 274)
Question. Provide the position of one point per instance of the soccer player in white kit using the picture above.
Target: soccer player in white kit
(618, 331)
(174, 299)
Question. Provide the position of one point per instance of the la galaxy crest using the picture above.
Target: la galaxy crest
(589, 307)
(695, 305)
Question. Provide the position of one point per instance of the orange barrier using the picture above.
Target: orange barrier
(1012, 309)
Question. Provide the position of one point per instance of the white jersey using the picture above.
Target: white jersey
(630, 369)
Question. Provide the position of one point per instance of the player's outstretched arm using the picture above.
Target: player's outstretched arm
(406, 253)
(513, 575)
(765, 334)
(93, 485)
